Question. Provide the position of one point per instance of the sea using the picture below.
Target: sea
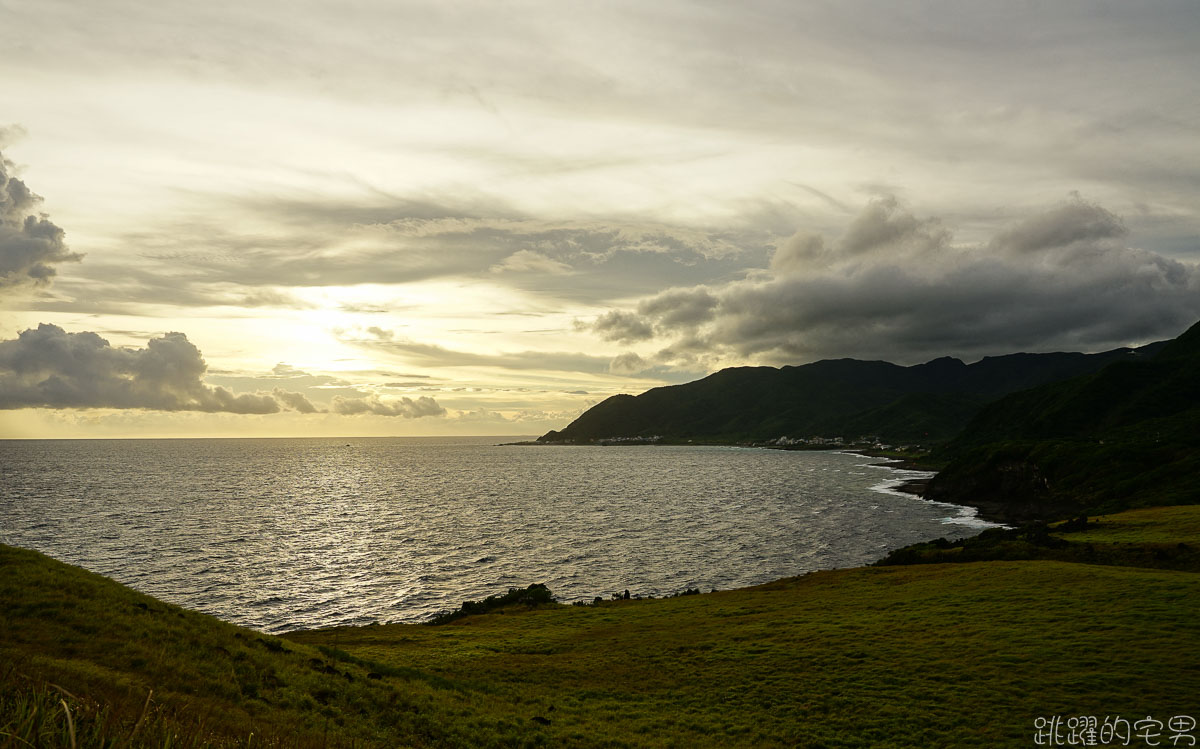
(287, 534)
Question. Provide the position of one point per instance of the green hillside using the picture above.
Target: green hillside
(1157, 537)
(1125, 436)
(127, 665)
(916, 656)
(844, 397)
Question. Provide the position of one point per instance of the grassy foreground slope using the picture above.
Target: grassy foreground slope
(921, 656)
(908, 657)
(130, 669)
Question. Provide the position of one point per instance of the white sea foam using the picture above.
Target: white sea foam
(960, 514)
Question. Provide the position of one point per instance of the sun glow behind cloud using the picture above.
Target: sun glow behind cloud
(524, 208)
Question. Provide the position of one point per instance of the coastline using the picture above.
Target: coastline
(968, 515)
(914, 486)
(977, 515)
(827, 639)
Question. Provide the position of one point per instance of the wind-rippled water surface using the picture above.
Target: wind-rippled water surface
(299, 533)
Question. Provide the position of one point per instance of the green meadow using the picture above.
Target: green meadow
(1149, 527)
(923, 655)
(1154, 537)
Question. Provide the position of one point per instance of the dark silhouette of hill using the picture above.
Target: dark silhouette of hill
(1125, 436)
(843, 397)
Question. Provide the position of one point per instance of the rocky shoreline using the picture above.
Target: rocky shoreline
(914, 486)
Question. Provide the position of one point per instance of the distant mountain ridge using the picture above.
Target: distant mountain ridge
(835, 397)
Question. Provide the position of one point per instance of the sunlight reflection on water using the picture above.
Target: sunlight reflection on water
(288, 534)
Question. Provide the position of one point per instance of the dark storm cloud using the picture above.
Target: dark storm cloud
(881, 226)
(894, 286)
(47, 367)
(1076, 221)
(30, 244)
(674, 309)
(680, 307)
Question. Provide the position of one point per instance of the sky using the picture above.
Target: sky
(382, 217)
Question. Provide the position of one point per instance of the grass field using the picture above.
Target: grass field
(1163, 526)
(926, 656)
(1156, 537)
(907, 656)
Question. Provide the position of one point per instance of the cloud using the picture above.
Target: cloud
(294, 401)
(799, 252)
(293, 387)
(10, 134)
(259, 249)
(534, 418)
(671, 309)
(47, 367)
(283, 369)
(628, 363)
(528, 261)
(433, 355)
(30, 244)
(680, 307)
(1062, 226)
(404, 407)
(622, 326)
(882, 227)
(895, 286)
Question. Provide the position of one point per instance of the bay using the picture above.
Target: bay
(285, 534)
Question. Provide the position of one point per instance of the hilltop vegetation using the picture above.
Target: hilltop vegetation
(845, 397)
(1125, 436)
(106, 648)
(1154, 537)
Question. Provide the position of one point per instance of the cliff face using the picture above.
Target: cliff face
(1010, 486)
(844, 397)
